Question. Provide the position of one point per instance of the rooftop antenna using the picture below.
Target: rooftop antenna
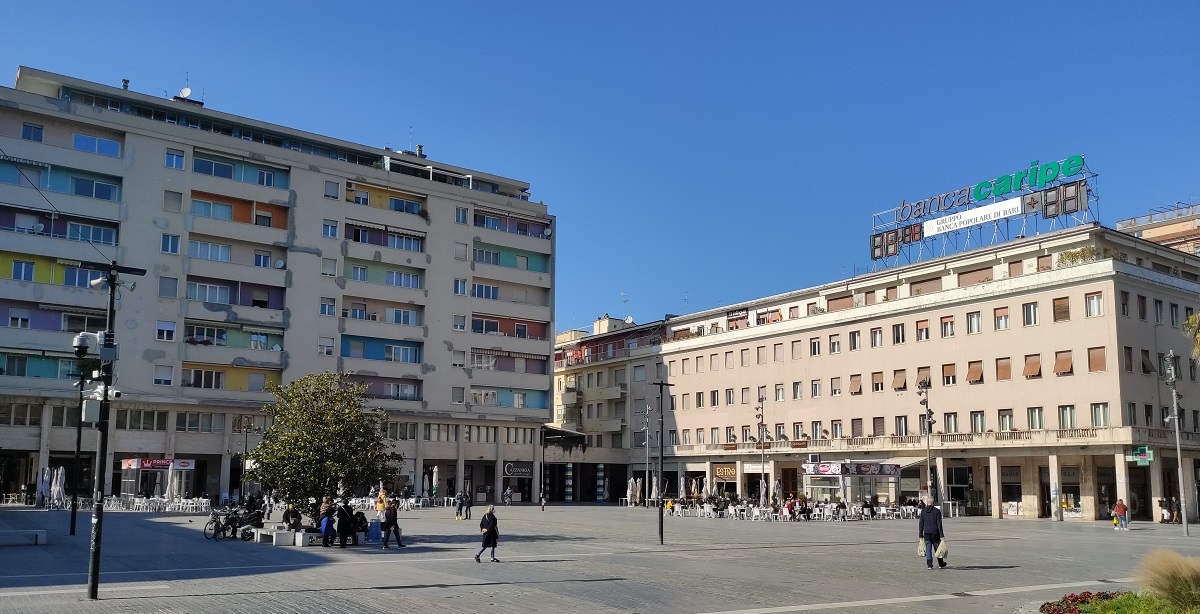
(186, 91)
(410, 137)
(625, 303)
(685, 301)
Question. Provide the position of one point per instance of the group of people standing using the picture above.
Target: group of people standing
(341, 522)
(462, 506)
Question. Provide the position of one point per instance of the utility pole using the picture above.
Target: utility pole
(1171, 380)
(927, 420)
(661, 507)
(78, 444)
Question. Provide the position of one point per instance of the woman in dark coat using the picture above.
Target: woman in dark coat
(929, 527)
(490, 529)
(327, 526)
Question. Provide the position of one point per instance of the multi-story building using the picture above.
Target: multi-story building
(1176, 227)
(1044, 358)
(271, 253)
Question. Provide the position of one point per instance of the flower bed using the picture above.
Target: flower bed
(1070, 604)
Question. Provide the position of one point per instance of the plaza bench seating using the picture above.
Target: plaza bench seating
(38, 535)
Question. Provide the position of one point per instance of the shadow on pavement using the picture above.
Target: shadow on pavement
(369, 588)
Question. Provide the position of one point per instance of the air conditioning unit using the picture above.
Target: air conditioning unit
(373, 316)
(623, 387)
(345, 313)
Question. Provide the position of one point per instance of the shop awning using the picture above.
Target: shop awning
(1033, 366)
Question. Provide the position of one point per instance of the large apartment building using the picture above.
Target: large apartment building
(271, 253)
(1045, 359)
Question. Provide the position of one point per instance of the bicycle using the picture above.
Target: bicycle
(215, 528)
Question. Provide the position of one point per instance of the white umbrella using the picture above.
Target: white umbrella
(424, 485)
(637, 490)
(762, 492)
(779, 490)
(60, 481)
(629, 492)
(654, 492)
(434, 485)
(606, 489)
(44, 484)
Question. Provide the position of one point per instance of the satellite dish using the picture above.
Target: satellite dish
(38, 227)
(185, 92)
(279, 264)
(547, 232)
(629, 319)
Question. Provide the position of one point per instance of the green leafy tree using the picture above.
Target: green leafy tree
(323, 442)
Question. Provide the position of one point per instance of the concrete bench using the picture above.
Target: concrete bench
(38, 535)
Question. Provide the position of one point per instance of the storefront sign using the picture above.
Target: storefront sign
(973, 217)
(910, 484)
(1010, 474)
(148, 463)
(1070, 475)
(518, 470)
(799, 443)
(725, 472)
(185, 464)
(851, 469)
(736, 313)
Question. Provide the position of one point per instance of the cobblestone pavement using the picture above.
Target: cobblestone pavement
(575, 559)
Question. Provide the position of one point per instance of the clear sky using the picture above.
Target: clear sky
(696, 153)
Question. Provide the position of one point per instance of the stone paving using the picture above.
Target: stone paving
(576, 559)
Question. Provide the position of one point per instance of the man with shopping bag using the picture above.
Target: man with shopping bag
(929, 528)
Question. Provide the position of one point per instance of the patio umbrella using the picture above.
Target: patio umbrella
(637, 490)
(606, 489)
(44, 485)
(434, 485)
(629, 499)
(778, 490)
(762, 492)
(654, 492)
(56, 484)
(424, 485)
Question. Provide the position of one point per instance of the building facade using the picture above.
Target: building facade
(1044, 358)
(271, 253)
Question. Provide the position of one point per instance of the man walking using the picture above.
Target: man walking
(390, 525)
(929, 528)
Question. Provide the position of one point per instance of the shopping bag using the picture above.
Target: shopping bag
(942, 550)
(920, 547)
(1114, 521)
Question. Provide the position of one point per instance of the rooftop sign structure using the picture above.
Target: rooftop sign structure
(1042, 198)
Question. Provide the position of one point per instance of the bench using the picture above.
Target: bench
(275, 537)
(38, 535)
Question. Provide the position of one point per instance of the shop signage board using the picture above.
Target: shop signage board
(851, 469)
(518, 470)
(725, 472)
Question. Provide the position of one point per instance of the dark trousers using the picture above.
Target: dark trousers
(388, 531)
(466, 512)
(342, 537)
(327, 539)
(931, 543)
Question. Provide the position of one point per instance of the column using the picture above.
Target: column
(1122, 477)
(1055, 489)
(225, 465)
(570, 492)
(171, 435)
(1189, 486)
(536, 489)
(1157, 492)
(940, 486)
(47, 413)
(460, 465)
(741, 479)
(418, 466)
(994, 478)
(498, 475)
(1088, 491)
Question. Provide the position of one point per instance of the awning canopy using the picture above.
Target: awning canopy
(975, 373)
(899, 382)
(1033, 366)
(855, 384)
(1062, 363)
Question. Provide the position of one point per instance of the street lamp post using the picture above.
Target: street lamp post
(78, 444)
(762, 439)
(927, 421)
(1171, 379)
(246, 423)
(646, 444)
(661, 507)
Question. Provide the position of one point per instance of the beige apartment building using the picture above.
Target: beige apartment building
(1044, 355)
(271, 253)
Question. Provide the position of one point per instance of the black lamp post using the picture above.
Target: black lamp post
(662, 495)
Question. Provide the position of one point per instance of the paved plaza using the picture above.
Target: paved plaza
(576, 559)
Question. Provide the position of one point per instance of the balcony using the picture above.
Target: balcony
(369, 252)
(509, 379)
(528, 345)
(33, 339)
(381, 368)
(237, 357)
(224, 312)
(67, 157)
(240, 397)
(378, 328)
(569, 397)
(238, 231)
(85, 298)
(511, 309)
(606, 393)
(587, 359)
(241, 272)
(236, 189)
(57, 246)
(385, 293)
(513, 275)
(65, 202)
(610, 425)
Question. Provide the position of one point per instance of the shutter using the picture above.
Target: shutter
(947, 319)
(948, 370)
(923, 375)
(856, 427)
(1062, 309)
(1001, 311)
(1062, 363)
(898, 380)
(1044, 263)
(978, 276)
(1003, 369)
(1016, 268)
(926, 286)
(1033, 366)
(975, 372)
(877, 426)
(1096, 359)
(923, 325)
(877, 380)
(855, 384)
(840, 303)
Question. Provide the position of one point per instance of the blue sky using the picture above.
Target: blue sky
(696, 154)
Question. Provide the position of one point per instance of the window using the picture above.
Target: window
(170, 244)
(405, 242)
(977, 422)
(1099, 414)
(458, 395)
(203, 378)
(776, 354)
(486, 256)
(974, 323)
(332, 189)
(193, 422)
(1125, 304)
(81, 278)
(745, 396)
(18, 318)
(460, 287)
(209, 251)
(836, 425)
(835, 346)
(1063, 364)
(168, 287)
(760, 353)
(266, 178)
(1001, 318)
(403, 353)
(460, 251)
(1029, 314)
(713, 363)
(876, 337)
(325, 346)
(1147, 366)
(210, 167)
(485, 291)
(328, 306)
(97, 145)
(817, 431)
(1062, 309)
(877, 381)
(1158, 311)
(31, 132)
(163, 375)
(729, 396)
(93, 189)
(1191, 368)
(1174, 311)
(362, 197)
(797, 430)
(1094, 305)
(814, 346)
(165, 331)
(856, 427)
(1141, 307)
(639, 373)
(855, 340)
(460, 215)
(1096, 361)
(897, 334)
(1003, 369)
(219, 211)
(1066, 416)
(1033, 366)
(797, 388)
(1037, 421)
(947, 326)
(901, 425)
(949, 375)
(835, 387)
(922, 330)
(209, 293)
(975, 372)
(815, 389)
(172, 201)
(404, 206)
(14, 366)
(91, 234)
(1006, 420)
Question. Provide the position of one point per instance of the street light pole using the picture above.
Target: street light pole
(927, 420)
(78, 444)
(661, 507)
(1171, 379)
(542, 471)
(762, 438)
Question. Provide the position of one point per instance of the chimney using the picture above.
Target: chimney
(124, 84)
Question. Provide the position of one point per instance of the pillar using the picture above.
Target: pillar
(994, 486)
(498, 481)
(600, 483)
(226, 463)
(940, 486)
(1122, 472)
(1088, 490)
(536, 490)
(418, 465)
(47, 412)
(460, 469)
(1031, 487)
(708, 476)
(1157, 492)
(741, 480)
(1189, 487)
(570, 492)
(1055, 489)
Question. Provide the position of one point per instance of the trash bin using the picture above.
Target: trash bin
(374, 532)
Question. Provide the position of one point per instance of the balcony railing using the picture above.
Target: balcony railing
(415, 396)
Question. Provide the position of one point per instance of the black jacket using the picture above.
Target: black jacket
(389, 518)
(490, 528)
(929, 522)
(345, 519)
(292, 518)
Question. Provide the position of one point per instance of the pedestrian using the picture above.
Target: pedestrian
(491, 533)
(1120, 510)
(1166, 511)
(458, 505)
(381, 504)
(345, 522)
(390, 525)
(1175, 509)
(467, 503)
(327, 528)
(292, 518)
(929, 528)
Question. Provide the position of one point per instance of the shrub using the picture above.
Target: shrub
(1172, 577)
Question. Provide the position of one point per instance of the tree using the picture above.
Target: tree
(1191, 328)
(323, 442)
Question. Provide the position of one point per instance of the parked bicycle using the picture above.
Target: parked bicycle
(217, 525)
